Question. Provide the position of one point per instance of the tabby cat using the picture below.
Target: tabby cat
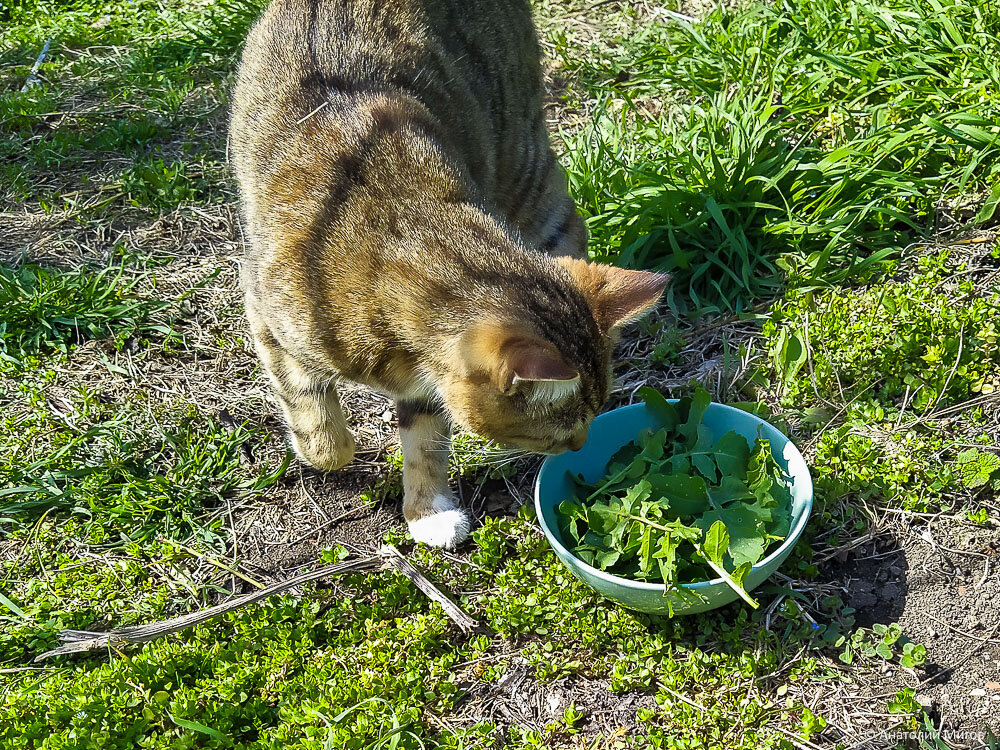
(410, 229)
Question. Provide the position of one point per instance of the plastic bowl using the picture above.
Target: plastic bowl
(612, 430)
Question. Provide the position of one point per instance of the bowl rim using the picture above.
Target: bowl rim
(793, 534)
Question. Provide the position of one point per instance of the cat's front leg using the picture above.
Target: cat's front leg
(428, 503)
(319, 433)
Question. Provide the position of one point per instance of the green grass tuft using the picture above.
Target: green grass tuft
(48, 310)
(799, 143)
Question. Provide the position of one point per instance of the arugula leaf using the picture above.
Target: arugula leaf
(605, 560)
(747, 542)
(661, 408)
(732, 454)
(716, 543)
(684, 495)
(571, 514)
(696, 412)
(713, 549)
(730, 490)
(652, 446)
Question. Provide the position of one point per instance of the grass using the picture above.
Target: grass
(124, 82)
(812, 146)
(788, 158)
(48, 311)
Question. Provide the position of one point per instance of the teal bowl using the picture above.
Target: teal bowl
(612, 430)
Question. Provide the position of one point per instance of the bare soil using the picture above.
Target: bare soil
(938, 578)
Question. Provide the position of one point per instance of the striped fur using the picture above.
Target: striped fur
(409, 228)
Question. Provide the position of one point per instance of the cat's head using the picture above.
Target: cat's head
(535, 373)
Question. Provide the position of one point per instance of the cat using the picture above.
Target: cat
(409, 228)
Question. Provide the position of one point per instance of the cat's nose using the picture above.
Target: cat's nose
(576, 442)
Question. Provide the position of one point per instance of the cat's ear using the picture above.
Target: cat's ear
(616, 295)
(509, 357)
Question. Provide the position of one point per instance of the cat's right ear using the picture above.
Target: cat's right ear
(508, 357)
(617, 296)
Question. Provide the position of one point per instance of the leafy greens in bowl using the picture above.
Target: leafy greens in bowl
(675, 506)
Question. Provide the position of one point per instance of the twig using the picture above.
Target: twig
(306, 117)
(392, 556)
(325, 524)
(30, 80)
(77, 641)
(961, 632)
(217, 563)
(972, 652)
(937, 545)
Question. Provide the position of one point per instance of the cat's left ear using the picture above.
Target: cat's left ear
(510, 356)
(617, 296)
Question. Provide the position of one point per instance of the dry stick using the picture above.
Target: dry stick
(961, 632)
(217, 563)
(972, 652)
(76, 641)
(403, 566)
(318, 529)
(30, 80)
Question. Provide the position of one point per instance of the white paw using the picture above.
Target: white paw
(447, 527)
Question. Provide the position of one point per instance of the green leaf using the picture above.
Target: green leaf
(652, 446)
(977, 467)
(716, 543)
(730, 490)
(625, 455)
(746, 530)
(732, 453)
(195, 726)
(660, 407)
(989, 207)
(739, 574)
(696, 413)
(903, 702)
(573, 517)
(605, 560)
(705, 466)
(13, 607)
(713, 550)
(685, 495)
(646, 550)
(789, 355)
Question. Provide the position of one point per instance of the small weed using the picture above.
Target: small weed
(156, 184)
(980, 517)
(979, 468)
(880, 641)
(914, 340)
(47, 310)
(903, 702)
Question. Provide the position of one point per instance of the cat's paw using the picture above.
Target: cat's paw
(446, 526)
(324, 451)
